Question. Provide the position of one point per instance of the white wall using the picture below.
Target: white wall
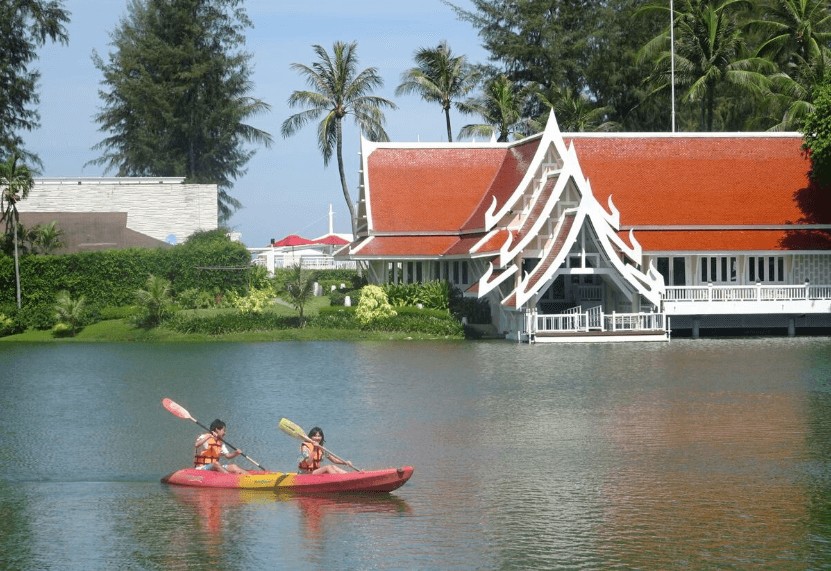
(157, 207)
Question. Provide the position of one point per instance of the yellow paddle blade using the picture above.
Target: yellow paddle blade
(292, 429)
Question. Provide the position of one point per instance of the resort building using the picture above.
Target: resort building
(124, 212)
(606, 237)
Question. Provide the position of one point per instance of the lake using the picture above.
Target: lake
(709, 453)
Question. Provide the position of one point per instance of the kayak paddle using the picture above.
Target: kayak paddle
(178, 410)
(293, 429)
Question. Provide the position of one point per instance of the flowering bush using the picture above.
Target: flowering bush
(373, 305)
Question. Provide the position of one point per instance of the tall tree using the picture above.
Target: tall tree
(25, 26)
(546, 42)
(817, 131)
(176, 93)
(790, 28)
(338, 89)
(796, 36)
(575, 112)
(15, 183)
(581, 46)
(710, 55)
(501, 106)
(439, 77)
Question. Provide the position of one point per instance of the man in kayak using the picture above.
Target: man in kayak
(209, 448)
(312, 454)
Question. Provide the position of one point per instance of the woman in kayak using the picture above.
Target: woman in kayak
(209, 448)
(311, 455)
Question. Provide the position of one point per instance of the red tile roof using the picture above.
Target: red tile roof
(730, 240)
(407, 246)
(663, 180)
(655, 181)
(442, 188)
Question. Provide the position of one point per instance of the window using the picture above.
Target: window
(766, 269)
(676, 274)
(719, 269)
(456, 272)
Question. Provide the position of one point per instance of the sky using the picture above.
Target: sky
(286, 189)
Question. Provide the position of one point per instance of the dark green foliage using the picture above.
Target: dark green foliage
(176, 94)
(230, 322)
(817, 129)
(111, 277)
(338, 297)
(25, 26)
(475, 310)
(431, 295)
(407, 320)
(739, 64)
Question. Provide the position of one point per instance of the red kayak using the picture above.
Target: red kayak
(385, 480)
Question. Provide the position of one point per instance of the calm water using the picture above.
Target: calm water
(693, 454)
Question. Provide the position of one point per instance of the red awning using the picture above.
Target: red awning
(293, 240)
(332, 240)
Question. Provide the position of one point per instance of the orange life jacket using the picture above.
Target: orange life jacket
(208, 452)
(313, 461)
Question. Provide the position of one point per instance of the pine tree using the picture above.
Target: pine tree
(176, 94)
(25, 25)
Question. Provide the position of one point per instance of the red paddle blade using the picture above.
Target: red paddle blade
(176, 409)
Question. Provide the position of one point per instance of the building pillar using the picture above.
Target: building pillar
(696, 325)
(792, 326)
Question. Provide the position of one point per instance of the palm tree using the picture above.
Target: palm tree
(709, 55)
(439, 77)
(15, 183)
(500, 106)
(791, 28)
(299, 288)
(337, 90)
(47, 238)
(575, 111)
(796, 36)
(795, 89)
(155, 301)
(69, 311)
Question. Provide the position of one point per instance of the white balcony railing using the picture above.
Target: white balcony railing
(594, 319)
(758, 292)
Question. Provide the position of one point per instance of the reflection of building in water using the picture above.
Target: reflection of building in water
(703, 481)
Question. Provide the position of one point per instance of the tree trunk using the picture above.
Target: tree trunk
(349, 204)
(16, 261)
(447, 120)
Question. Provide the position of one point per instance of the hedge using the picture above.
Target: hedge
(207, 261)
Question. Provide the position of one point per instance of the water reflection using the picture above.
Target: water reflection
(697, 454)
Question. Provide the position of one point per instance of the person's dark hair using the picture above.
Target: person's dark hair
(217, 425)
(317, 430)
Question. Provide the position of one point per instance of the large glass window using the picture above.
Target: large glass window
(675, 273)
(719, 269)
(766, 269)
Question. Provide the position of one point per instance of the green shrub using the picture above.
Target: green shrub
(111, 277)
(433, 295)
(61, 329)
(36, 317)
(339, 297)
(255, 302)
(229, 322)
(407, 320)
(7, 325)
(116, 312)
(373, 305)
(476, 310)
